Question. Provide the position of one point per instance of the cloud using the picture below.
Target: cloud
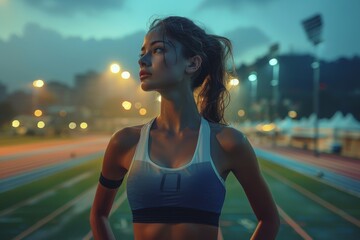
(44, 53)
(71, 7)
(246, 40)
(232, 4)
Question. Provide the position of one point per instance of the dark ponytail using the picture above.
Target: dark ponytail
(209, 83)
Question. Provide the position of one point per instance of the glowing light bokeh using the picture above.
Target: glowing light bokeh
(273, 61)
(41, 124)
(38, 83)
(292, 114)
(234, 82)
(38, 113)
(126, 105)
(83, 125)
(125, 75)
(72, 125)
(115, 68)
(142, 111)
(241, 113)
(15, 123)
(252, 77)
(266, 127)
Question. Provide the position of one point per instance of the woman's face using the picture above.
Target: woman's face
(162, 65)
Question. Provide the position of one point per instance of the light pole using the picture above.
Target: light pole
(37, 84)
(253, 80)
(313, 28)
(275, 84)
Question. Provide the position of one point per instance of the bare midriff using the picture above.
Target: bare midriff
(179, 231)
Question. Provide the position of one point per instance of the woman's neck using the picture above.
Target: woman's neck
(177, 113)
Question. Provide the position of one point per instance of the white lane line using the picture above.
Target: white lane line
(115, 206)
(247, 223)
(52, 215)
(315, 198)
(45, 194)
(293, 224)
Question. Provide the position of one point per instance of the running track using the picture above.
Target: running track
(26, 162)
(31, 157)
(342, 172)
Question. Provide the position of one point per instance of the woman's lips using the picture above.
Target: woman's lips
(144, 74)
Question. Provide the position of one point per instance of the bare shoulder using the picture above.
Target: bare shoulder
(119, 151)
(238, 154)
(126, 137)
(228, 137)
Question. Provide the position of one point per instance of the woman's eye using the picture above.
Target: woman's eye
(155, 50)
(158, 50)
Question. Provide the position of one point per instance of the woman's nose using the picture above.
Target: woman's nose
(144, 60)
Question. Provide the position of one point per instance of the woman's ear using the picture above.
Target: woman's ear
(194, 63)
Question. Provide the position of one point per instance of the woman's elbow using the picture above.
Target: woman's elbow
(273, 218)
(93, 218)
(274, 223)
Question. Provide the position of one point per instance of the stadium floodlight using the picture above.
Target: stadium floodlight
(313, 28)
(273, 62)
(252, 77)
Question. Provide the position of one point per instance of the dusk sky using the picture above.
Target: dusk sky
(54, 40)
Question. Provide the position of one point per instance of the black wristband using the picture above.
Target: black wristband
(109, 183)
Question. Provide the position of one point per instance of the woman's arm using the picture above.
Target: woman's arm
(100, 211)
(245, 167)
(113, 171)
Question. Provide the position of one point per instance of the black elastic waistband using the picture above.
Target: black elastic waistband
(175, 215)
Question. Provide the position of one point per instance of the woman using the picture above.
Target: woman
(177, 163)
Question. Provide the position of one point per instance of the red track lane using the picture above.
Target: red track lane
(25, 164)
(349, 167)
(26, 147)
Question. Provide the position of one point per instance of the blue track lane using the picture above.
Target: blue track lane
(345, 183)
